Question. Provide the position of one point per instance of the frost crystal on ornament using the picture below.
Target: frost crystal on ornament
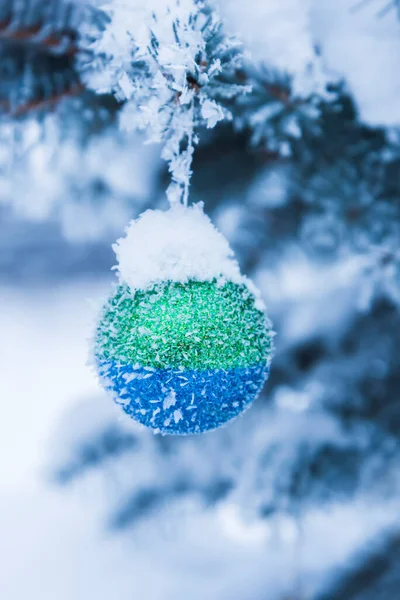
(183, 344)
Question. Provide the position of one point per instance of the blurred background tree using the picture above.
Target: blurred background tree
(295, 142)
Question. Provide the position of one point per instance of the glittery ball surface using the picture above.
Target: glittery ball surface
(183, 358)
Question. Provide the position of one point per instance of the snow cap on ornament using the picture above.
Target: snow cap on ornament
(183, 343)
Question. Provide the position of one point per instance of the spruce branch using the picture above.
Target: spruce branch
(32, 79)
(39, 43)
(178, 79)
(386, 6)
(49, 25)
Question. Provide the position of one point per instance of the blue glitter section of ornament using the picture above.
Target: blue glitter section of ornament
(181, 402)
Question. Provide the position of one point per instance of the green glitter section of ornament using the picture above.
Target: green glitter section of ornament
(196, 325)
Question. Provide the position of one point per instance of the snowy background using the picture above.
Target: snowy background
(302, 490)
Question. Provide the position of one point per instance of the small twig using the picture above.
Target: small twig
(278, 92)
(41, 104)
(61, 42)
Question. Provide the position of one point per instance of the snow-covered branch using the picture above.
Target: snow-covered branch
(175, 74)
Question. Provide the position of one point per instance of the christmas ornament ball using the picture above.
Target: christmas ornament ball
(187, 354)
(183, 358)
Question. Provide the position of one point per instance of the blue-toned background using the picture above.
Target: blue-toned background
(299, 498)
